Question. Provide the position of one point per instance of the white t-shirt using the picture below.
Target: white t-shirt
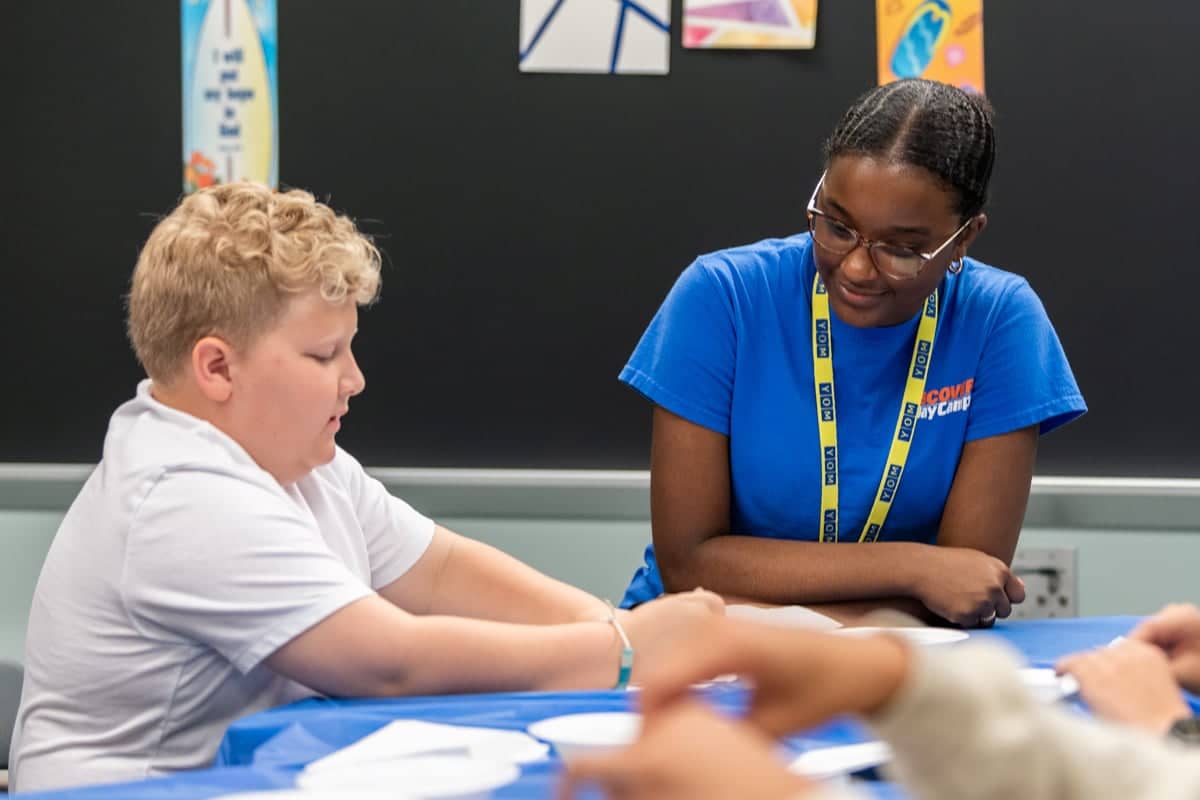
(180, 566)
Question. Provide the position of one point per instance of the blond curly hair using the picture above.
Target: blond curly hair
(227, 259)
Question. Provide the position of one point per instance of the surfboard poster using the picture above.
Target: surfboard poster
(937, 39)
(230, 92)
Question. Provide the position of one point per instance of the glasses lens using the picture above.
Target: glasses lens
(899, 262)
(832, 235)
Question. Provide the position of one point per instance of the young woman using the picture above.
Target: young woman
(852, 413)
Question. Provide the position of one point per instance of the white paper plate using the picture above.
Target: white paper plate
(576, 734)
(1047, 686)
(829, 762)
(922, 636)
(785, 616)
(303, 794)
(426, 777)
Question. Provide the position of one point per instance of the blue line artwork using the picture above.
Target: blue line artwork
(609, 36)
(545, 23)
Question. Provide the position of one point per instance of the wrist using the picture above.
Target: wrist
(915, 567)
(625, 648)
(1164, 722)
(1185, 729)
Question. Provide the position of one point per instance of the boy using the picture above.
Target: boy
(225, 556)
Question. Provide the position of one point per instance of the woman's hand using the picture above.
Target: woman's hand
(1131, 683)
(967, 587)
(1176, 631)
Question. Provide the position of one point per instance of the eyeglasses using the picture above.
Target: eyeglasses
(900, 263)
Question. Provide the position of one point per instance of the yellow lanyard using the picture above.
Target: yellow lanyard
(906, 422)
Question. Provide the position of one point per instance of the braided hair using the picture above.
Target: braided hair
(926, 124)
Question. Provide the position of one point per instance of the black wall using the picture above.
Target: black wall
(532, 223)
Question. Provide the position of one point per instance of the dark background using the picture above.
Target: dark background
(533, 223)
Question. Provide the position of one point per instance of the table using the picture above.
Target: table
(265, 750)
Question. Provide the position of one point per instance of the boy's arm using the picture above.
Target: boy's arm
(461, 577)
(372, 648)
(262, 585)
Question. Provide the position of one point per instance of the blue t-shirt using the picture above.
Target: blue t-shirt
(731, 349)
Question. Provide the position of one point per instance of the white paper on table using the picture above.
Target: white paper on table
(414, 737)
(787, 616)
(314, 794)
(829, 762)
(1048, 686)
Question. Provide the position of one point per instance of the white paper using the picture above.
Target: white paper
(412, 737)
(442, 776)
(1048, 686)
(829, 762)
(305, 794)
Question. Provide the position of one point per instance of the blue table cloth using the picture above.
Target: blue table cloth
(266, 750)
(1044, 641)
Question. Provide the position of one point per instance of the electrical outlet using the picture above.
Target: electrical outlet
(1051, 582)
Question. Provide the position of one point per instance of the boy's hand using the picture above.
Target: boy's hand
(656, 629)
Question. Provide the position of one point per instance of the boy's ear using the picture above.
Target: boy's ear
(210, 368)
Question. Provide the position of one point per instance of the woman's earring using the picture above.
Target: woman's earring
(956, 266)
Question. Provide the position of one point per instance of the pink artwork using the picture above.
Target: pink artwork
(750, 24)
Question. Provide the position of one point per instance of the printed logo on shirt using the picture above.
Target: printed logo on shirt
(947, 400)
